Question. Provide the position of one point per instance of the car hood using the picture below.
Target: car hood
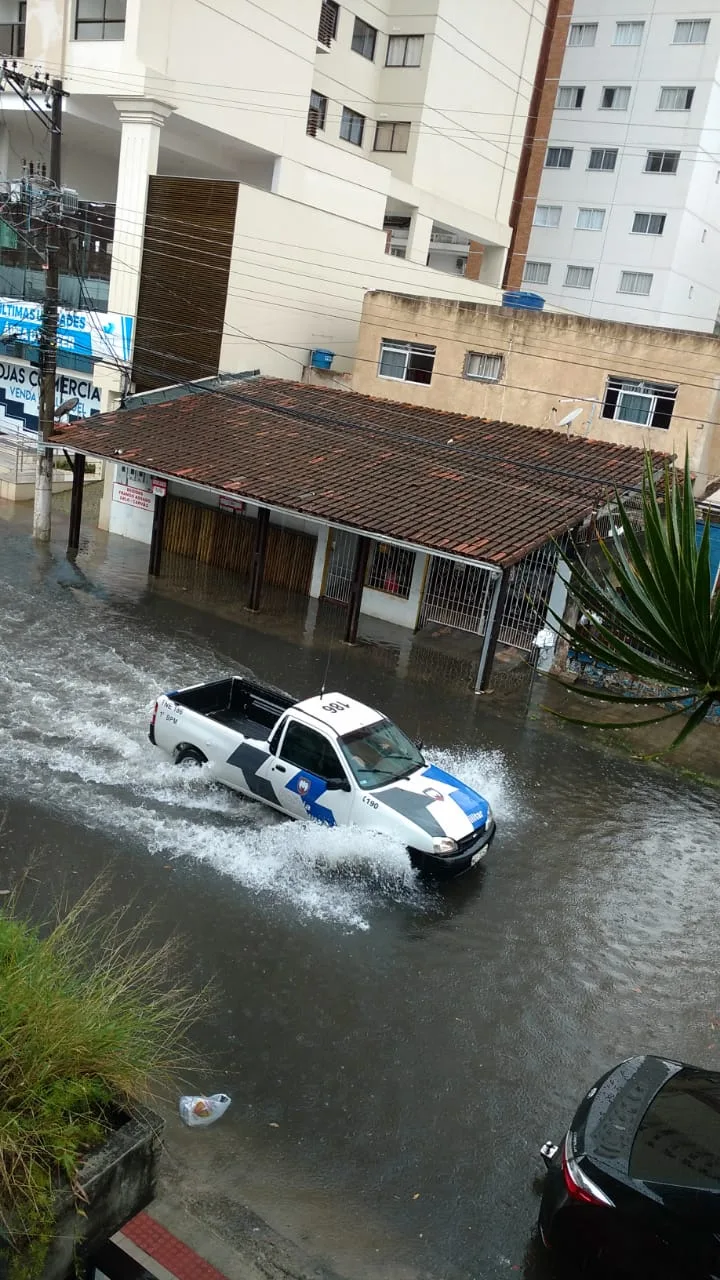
(437, 803)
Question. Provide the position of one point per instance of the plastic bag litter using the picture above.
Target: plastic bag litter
(195, 1110)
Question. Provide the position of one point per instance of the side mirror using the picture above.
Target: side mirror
(338, 784)
(420, 744)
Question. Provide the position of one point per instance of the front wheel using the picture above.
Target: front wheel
(189, 756)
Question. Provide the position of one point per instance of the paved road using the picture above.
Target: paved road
(396, 1054)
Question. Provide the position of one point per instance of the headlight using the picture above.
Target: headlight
(488, 820)
(444, 844)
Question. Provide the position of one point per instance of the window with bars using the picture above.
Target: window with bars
(391, 570)
(352, 126)
(558, 157)
(646, 404)
(603, 158)
(662, 161)
(392, 136)
(639, 282)
(578, 277)
(649, 224)
(674, 98)
(547, 215)
(536, 272)
(364, 39)
(570, 97)
(328, 24)
(100, 19)
(317, 113)
(590, 219)
(629, 32)
(406, 361)
(691, 31)
(483, 366)
(615, 97)
(582, 35)
(404, 51)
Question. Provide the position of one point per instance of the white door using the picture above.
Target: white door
(309, 778)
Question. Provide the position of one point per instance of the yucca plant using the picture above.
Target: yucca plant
(654, 613)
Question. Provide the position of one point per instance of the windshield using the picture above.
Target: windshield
(380, 753)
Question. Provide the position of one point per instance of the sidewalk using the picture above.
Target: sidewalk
(161, 1253)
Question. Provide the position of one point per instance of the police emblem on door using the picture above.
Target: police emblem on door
(303, 786)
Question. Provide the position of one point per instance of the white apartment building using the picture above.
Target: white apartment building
(627, 223)
(365, 137)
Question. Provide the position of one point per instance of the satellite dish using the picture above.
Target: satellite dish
(569, 417)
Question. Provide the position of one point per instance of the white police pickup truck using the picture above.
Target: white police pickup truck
(328, 758)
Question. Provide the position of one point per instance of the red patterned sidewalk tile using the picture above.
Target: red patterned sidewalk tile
(166, 1249)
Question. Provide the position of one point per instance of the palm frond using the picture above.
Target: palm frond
(651, 601)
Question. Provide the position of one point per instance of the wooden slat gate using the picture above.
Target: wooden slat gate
(225, 540)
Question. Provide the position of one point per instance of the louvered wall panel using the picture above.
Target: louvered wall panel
(184, 280)
(226, 541)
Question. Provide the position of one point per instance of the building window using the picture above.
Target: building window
(691, 31)
(536, 272)
(570, 97)
(649, 224)
(558, 157)
(662, 161)
(391, 570)
(100, 20)
(392, 136)
(328, 24)
(547, 215)
(629, 32)
(404, 51)
(317, 113)
(676, 99)
(582, 35)
(397, 250)
(406, 361)
(352, 126)
(635, 282)
(604, 158)
(615, 98)
(646, 404)
(483, 366)
(578, 277)
(364, 39)
(590, 219)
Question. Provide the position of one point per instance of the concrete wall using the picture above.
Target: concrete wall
(553, 364)
(392, 608)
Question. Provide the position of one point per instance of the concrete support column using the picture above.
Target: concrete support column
(555, 610)
(418, 245)
(493, 265)
(142, 119)
(318, 573)
(4, 151)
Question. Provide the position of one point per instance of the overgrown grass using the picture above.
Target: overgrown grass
(92, 1019)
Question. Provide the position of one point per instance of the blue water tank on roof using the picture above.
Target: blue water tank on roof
(321, 359)
(522, 301)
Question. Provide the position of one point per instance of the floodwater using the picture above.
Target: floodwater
(396, 1052)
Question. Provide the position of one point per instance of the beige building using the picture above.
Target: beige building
(621, 383)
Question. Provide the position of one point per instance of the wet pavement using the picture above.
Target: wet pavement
(396, 1052)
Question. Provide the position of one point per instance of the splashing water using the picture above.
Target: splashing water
(75, 707)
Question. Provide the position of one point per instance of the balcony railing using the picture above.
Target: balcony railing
(12, 39)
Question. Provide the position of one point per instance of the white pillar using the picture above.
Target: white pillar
(4, 152)
(142, 119)
(318, 572)
(556, 609)
(418, 245)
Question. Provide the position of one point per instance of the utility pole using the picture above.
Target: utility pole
(43, 97)
(48, 333)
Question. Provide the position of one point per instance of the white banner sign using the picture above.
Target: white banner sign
(20, 395)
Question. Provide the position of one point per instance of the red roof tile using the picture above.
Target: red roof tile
(492, 491)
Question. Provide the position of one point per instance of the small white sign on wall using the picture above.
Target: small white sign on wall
(127, 496)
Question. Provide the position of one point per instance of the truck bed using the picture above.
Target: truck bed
(243, 705)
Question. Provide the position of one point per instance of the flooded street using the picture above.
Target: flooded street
(396, 1053)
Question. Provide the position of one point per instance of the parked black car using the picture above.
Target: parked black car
(635, 1183)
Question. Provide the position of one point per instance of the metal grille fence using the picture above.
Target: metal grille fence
(457, 595)
(340, 565)
(600, 525)
(527, 598)
(391, 569)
